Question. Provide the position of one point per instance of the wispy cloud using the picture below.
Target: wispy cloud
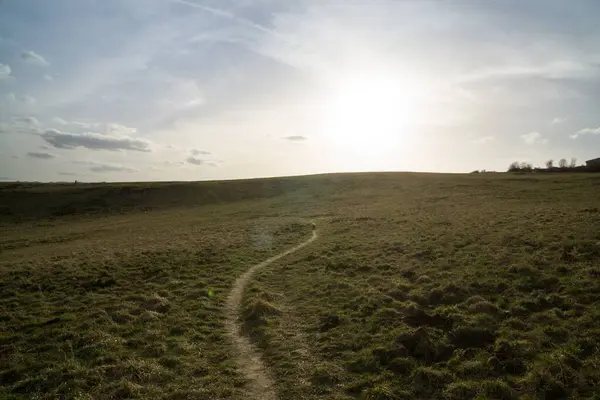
(558, 120)
(60, 121)
(84, 125)
(94, 141)
(20, 128)
(107, 128)
(31, 57)
(585, 131)
(27, 120)
(41, 155)
(173, 163)
(120, 129)
(199, 157)
(225, 14)
(195, 160)
(201, 161)
(26, 125)
(295, 138)
(532, 138)
(111, 168)
(5, 71)
(197, 152)
(566, 69)
(99, 167)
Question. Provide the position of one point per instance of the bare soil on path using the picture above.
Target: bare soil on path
(260, 384)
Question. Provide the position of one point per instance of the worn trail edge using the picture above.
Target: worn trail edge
(260, 385)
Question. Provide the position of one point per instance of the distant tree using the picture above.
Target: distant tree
(573, 163)
(514, 166)
(520, 167)
(562, 163)
(549, 164)
(527, 167)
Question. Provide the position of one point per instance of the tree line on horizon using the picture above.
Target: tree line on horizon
(562, 166)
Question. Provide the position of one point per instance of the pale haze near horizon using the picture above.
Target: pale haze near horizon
(133, 90)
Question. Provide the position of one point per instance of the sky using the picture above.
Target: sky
(142, 90)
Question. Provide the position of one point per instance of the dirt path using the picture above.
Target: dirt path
(260, 384)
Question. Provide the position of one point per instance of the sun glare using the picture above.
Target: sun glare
(370, 115)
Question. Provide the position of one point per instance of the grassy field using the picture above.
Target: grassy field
(127, 306)
(420, 286)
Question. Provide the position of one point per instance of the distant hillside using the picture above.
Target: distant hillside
(27, 200)
(21, 201)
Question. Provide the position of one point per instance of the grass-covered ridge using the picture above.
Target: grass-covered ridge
(419, 286)
(25, 201)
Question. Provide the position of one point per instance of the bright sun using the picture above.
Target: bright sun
(370, 114)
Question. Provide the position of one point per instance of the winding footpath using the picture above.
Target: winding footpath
(260, 385)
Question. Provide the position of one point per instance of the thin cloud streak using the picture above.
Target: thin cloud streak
(227, 15)
(532, 138)
(295, 138)
(99, 167)
(585, 131)
(41, 155)
(31, 57)
(94, 141)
